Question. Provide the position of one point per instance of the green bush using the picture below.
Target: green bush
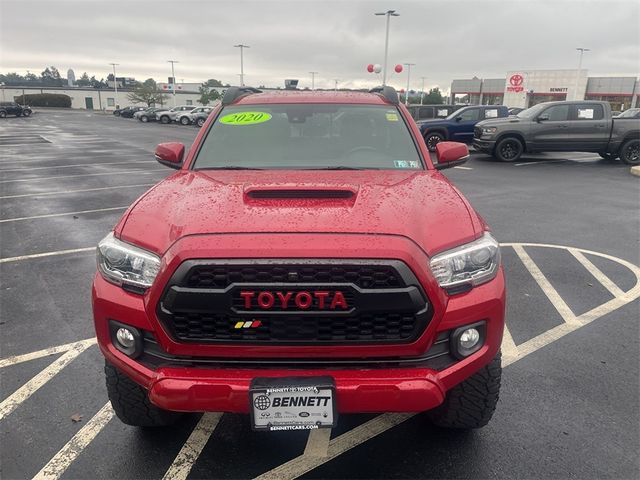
(45, 100)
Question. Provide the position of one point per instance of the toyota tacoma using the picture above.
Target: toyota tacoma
(306, 260)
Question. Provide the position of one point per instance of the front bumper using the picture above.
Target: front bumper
(383, 387)
(484, 145)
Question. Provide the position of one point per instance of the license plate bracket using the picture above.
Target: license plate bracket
(292, 403)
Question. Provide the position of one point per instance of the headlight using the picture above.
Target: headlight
(489, 130)
(124, 264)
(471, 264)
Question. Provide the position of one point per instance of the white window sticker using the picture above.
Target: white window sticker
(491, 114)
(442, 112)
(406, 164)
(586, 113)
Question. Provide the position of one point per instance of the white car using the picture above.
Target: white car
(186, 118)
(171, 115)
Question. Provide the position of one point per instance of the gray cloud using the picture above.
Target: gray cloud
(446, 39)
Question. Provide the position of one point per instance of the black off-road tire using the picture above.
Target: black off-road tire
(131, 402)
(508, 149)
(630, 152)
(432, 139)
(471, 404)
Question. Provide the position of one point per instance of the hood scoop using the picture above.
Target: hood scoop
(300, 193)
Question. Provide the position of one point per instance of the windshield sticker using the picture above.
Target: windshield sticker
(245, 118)
(392, 117)
(406, 164)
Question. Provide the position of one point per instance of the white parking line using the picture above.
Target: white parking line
(29, 169)
(541, 162)
(597, 273)
(69, 154)
(74, 447)
(33, 217)
(15, 359)
(184, 461)
(47, 254)
(318, 443)
(14, 400)
(463, 168)
(58, 177)
(84, 190)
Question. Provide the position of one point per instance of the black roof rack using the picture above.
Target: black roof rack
(389, 93)
(234, 93)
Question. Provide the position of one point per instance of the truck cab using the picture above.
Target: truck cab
(459, 125)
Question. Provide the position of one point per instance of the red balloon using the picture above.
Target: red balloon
(398, 68)
(370, 68)
(402, 90)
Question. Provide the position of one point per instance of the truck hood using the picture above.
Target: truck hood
(420, 205)
(495, 122)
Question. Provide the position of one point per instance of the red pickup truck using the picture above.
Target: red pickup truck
(306, 259)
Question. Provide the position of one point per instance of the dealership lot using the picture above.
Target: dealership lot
(569, 225)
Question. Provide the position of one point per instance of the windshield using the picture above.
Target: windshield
(309, 136)
(631, 113)
(531, 112)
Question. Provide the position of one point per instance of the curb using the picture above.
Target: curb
(635, 170)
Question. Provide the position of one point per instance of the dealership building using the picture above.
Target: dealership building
(525, 88)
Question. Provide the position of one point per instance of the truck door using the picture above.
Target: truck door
(461, 129)
(588, 129)
(549, 131)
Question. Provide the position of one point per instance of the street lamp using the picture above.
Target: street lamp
(422, 94)
(406, 95)
(241, 47)
(173, 77)
(115, 84)
(313, 80)
(335, 84)
(581, 50)
(388, 14)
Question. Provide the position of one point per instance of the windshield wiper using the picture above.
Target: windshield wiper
(343, 167)
(231, 167)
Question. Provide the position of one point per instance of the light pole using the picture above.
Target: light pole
(241, 47)
(406, 95)
(335, 84)
(581, 50)
(313, 80)
(173, 77)
(422, 94)
(389, 14)
(115, 83)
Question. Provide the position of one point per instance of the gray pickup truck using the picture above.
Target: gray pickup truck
(585, 126)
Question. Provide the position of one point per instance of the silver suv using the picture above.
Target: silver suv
(171, 115)
(186, 118)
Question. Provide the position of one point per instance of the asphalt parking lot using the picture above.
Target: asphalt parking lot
(569, 404)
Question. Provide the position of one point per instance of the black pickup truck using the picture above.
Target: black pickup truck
(585, 126)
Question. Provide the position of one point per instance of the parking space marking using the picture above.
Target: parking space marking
(47, 254)
(463, 168)
(74, 447)
(190, 451)
(58, 177)
(84, 190)
(554, 297)
(318, 443)
(16, 359)
(29, 169)
(14, 400)
(541, 162)
(49, 215)
(597, 273)
(75, 154)
(508, 347)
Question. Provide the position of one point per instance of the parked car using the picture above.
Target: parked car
(281, 268)
(515, 110)
(149, 115)
(201, 117)
(171, 115)
(186, 118)
(585, 126)
(425, 112)
(127, 112)
(13, 108)
(458, 126)
(630, 113)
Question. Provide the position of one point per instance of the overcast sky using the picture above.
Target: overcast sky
(445, 39)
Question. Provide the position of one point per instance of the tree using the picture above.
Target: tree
(212, 82)
(434, 97)
(84, 80)
(207, 93)
(51, 77)
(12, 78)
(147, 92)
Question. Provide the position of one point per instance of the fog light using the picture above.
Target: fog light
(469, 338)
(125, 338)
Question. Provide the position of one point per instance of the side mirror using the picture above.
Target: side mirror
(450, 154)
(170, 154)
(542, 118)
(458, 119)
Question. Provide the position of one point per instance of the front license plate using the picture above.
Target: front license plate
(292, 403)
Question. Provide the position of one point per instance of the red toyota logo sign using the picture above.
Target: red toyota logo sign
(516, 80)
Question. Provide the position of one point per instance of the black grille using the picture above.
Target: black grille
(477, 132)
(384, 302)
(363, 328)
(363, 276)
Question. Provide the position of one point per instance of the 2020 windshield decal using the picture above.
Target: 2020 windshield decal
(245, 118)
